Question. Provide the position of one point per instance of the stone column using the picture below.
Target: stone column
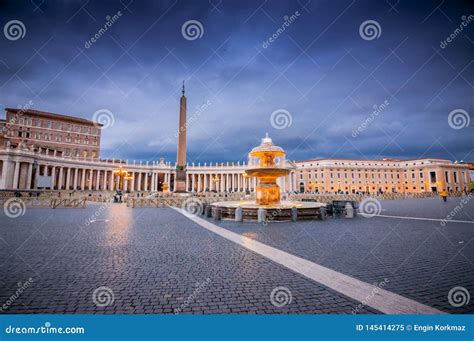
(132, 182)
(91, 176)
(76, 174)
(146, 182)
(29, 176)
(192, 182)
(104, 183)
(68, 177)
(139, 181)
(97, 180)
(35, 185)
(83, 179)
(199, 183)
(60, 178)
(152, 189)
(111, 181)
(16, 173)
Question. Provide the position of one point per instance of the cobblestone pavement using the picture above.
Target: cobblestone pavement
(422, 260)
(149, 260)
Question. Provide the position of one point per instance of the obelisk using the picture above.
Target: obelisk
(180, 180)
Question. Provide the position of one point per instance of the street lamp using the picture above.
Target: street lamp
(123, 175)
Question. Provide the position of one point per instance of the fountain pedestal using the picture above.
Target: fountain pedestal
(267, 163)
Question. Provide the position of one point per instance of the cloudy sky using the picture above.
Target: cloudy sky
(358, 79)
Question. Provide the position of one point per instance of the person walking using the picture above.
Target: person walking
(444, 195)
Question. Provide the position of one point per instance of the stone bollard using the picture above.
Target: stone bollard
(208, 211)
(322, 213)
(349, 210)
(261, 215)
(294, 214)
(239, 214)
(216, 213)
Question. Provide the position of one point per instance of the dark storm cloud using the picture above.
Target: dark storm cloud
(319, 69)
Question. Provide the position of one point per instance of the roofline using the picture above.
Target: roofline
(55, 116)
(361, 160)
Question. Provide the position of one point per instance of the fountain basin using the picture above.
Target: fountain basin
(267, 172)
(275, 212)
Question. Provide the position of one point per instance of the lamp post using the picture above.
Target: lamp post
(123, 175)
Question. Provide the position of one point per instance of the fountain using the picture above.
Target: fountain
(267, 163)
(270, 164)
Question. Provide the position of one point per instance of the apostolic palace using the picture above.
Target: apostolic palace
(41, 150)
